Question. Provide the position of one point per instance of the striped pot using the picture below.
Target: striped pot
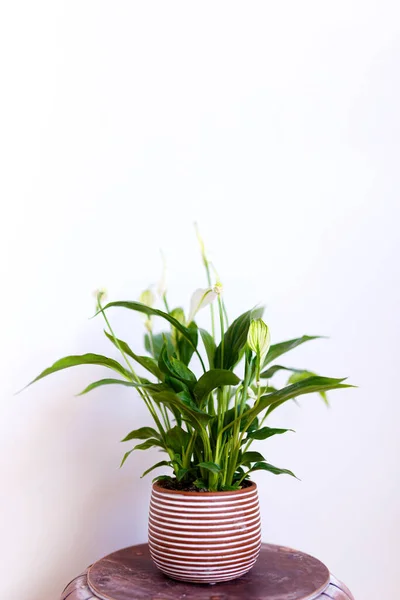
(204, 537)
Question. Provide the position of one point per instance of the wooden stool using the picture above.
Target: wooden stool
(279, 574)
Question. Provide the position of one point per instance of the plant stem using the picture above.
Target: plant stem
(151, 341)
(222, 329)
(207, 267)
(208, 274)
(225, 315)
(145, 397)
(166, 303)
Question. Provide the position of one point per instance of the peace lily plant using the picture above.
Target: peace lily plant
(204, 421)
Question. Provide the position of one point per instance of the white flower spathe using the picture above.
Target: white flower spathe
(201, 298)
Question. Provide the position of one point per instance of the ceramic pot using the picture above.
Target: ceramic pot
(204, 537)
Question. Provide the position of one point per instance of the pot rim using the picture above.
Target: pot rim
(158, 488)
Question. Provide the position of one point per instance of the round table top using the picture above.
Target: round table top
(279, 574)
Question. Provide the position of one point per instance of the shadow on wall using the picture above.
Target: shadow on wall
(77, 505)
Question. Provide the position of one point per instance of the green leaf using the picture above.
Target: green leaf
(266, 389)
(181, 371)
(177, 438)
(150, 443)
(175, 368)
(209, 345)
(308, 386)
(210, 466)
(177, 459)
(145, 361)
(197, 418)
(178, 314)
(200, 484)
(189, 403)
(176, 385)
(301, 376)
(229, 417)
(83, 359)
(254, 425)
(283, 347)
(185, 348)
(181, 474)
(158, 343)
(162, 463)
(125, 457)
(102, 382)
(212, 380)
(148, 310)
(239, 473)
(141, 434)
(251, 457)
(235, 340)
(264, 466)
(268, 373)
(265, 432)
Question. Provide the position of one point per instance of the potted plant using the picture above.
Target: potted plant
(209, 395)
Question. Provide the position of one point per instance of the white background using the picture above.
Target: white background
(275, 125)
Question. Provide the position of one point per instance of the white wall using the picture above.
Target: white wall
(276, 126)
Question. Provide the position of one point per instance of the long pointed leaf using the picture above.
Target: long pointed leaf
(83, 359)
(213, 379)
(125, 457)
(173, 367)
(143, 446)
(143, 433)
(210, 466)
(176, 439)
(151, 387)
(251, 457)
(235, 339)
(307, 386)
(101, 382)
(150, 443)
(265, 433)
(283, 347)
(198, 419)
(155, 343)
(186, 349)
(264, 466)
(209, 345)
(162, 463)
(148, 310)
(270, 372)
(300, 375)
(145, 361)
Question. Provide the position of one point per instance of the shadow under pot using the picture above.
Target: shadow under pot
(204, 537)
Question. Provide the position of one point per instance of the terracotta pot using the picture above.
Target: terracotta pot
(204, 537)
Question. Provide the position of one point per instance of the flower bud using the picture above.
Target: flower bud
(100, 295)
(147, 298)
(259, 338)
(179, 315)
